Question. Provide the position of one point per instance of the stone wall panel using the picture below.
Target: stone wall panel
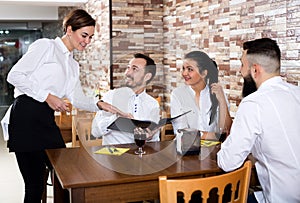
(166, 30)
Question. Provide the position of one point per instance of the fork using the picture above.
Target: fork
(112, 149)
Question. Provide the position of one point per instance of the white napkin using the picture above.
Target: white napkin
(5, 122)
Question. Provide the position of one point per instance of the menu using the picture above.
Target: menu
(128, 125)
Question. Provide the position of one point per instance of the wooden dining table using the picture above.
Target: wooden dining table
(81, 176)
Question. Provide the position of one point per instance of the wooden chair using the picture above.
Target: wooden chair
(166, 132)
(238, 180)
(64, 122)
(82, 124)
(84, 133)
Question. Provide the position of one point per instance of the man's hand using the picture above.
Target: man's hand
(149, 133)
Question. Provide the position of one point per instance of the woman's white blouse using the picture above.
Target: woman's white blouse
(49, 67)
(183, 100)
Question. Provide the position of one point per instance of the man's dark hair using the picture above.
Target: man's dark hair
(264, 47)
(150, 65)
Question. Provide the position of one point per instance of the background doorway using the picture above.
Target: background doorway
(13, 44)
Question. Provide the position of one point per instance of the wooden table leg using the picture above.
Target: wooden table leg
(77, 195)
(60, 195)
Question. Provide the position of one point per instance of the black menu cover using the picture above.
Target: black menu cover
(128, 125)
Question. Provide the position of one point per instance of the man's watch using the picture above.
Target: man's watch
(99, 105)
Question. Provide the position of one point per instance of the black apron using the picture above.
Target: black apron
(32, 126)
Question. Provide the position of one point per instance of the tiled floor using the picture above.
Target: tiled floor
(11, 182)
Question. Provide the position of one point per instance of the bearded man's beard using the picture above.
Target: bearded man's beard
(131, 83)
(249, 85)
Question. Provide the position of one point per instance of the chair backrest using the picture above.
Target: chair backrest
(238, 180)
(82, 125)
(166, 132)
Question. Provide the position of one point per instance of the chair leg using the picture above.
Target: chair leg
(44, 196)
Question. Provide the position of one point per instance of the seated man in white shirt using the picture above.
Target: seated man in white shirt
(266, 125)
(132, 101)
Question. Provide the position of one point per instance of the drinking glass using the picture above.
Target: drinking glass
(140, 140)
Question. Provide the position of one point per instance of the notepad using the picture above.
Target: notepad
(208, 143)
(111, 151)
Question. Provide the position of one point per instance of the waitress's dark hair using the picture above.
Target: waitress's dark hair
(77, 19)
(204, 62)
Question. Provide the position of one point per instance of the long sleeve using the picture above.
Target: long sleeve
(100, 123)
(81, 101)
(102, 118)
(239, 143)
(23, 76)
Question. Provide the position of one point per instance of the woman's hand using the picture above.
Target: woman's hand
(57, 104)
(112, 109)
(217, 89)
(225, 120)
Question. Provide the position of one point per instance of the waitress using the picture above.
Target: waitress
(42, 78)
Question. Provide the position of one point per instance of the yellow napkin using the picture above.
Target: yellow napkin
(208, 143)
(112, 151)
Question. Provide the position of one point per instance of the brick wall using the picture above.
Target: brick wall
(137, 26)
(95, 60)
(168, 29)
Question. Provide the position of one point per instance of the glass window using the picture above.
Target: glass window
(13, 44)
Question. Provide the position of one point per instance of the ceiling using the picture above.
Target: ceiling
(33, 10)
(43, 2)
(25, 14)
